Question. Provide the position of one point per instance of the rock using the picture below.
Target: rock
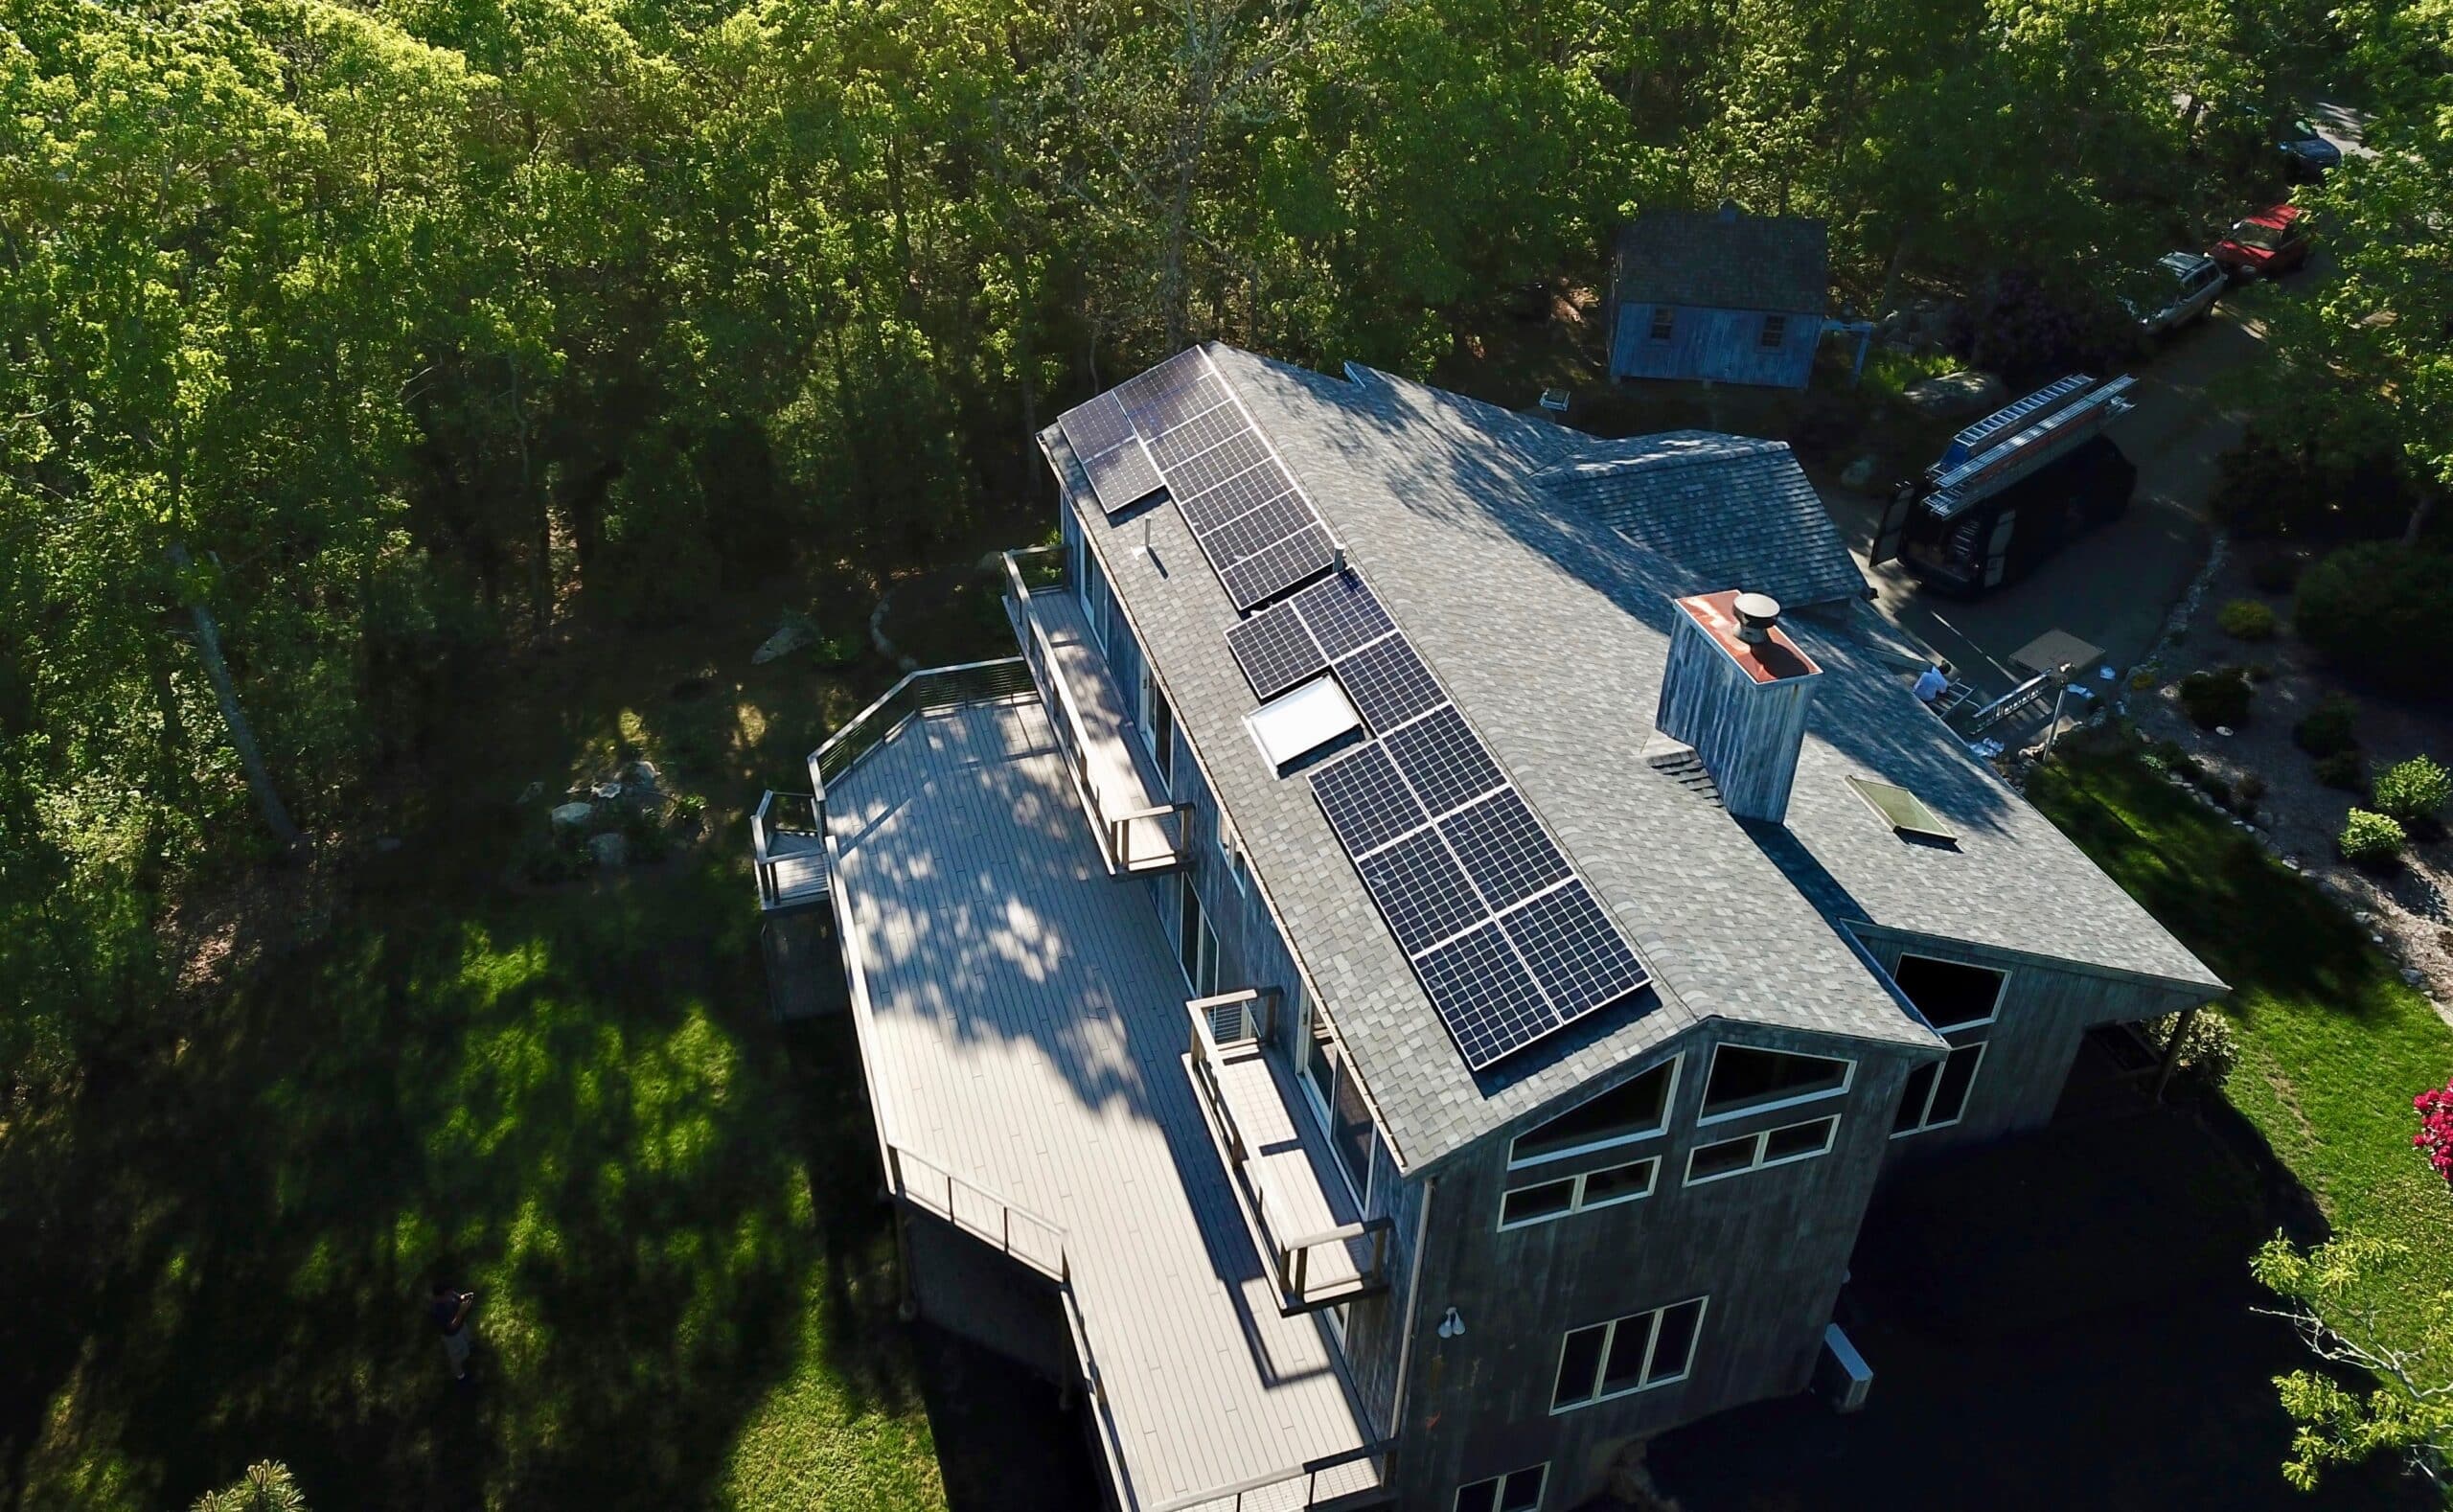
(1954, 394)
(2291, 863)
(2413, 976)
(2376, 936)
(1858, 475)
(532, 792)
(639, 776)
(573, 816)
(606, 791)
(792, 635)
(609, 849)
(2224, 730)
(2363, 916)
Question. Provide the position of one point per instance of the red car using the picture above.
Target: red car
(2267, 245)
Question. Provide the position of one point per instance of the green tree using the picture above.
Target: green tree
(2409, 1412)
(267, 1487)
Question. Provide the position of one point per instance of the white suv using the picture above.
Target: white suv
(2188, 285)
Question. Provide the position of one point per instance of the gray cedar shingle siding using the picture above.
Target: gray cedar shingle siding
(1551, 633)
(1736, 509)
(1711, 259)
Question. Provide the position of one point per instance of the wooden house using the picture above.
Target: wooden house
(1717, 295)
(1405, 985)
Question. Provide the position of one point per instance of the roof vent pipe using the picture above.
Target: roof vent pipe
(1757, 614)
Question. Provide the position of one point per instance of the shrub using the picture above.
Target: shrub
(2369, 839)
(2413, 792)
(2246, 619)
(2434, 1135)
(2208, 1051)
(2343, 769)
(2245, 794)
(2379, 611)
(2216, 697)
(2275, 572)
(644, 834)
(2328, 728)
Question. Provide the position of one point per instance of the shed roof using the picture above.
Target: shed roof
(1723, 260)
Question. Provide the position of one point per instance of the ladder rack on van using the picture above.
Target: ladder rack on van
(2015, 441)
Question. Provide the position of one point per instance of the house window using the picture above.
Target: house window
(1951, 995)
(1159, 728)
(1196, 942)
(1636, 1108)
(1540, 1202)
(1230, 849)
(1745, 1080)
(1781, 1146)
(1626, 1354)
(1937, 1094)
(1337, 1100)
(1517, 1491)
(1095, 598)
(1664, 321)
(1775, 330)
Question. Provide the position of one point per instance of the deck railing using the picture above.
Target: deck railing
(1270, 1491)
(1249, 1018)
(1014, 1230)
(919, 692)
(778, 814)
(1113, 817)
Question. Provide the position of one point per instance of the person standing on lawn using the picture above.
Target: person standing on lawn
(449, 1309)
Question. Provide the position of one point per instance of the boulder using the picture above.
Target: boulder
(793, 635)
(532, 792)
(1953, 395)
(639, 776)
(609, 849)
(573, 816)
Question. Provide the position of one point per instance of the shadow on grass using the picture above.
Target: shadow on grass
(571, 1102)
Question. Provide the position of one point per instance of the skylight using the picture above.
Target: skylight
(1903, 810)
(1296, 724)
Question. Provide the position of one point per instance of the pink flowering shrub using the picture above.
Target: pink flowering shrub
(2435, 1128)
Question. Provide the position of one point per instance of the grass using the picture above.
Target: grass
(569, 1099)
(2333, 1044)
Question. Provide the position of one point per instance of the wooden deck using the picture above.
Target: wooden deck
(797, 863)
(1121, 777)
(1292, 1188)
(1027, 1033)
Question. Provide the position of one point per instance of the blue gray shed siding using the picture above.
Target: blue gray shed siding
(1723, 345)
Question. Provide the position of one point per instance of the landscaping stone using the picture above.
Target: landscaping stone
(1956, 394)
(793, 635)
(611, 849)
(640, 776)
(606, 791)
(573, 816)
(2413, 976)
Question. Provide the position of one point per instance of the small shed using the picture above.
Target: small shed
(1719, 295)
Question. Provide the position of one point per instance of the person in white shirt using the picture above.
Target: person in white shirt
(1932, 682)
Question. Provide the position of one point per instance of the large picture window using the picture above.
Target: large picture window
(1937, 1092)
(1517, 1491)
(1636, 1108)
(1339, 1100)
(1196, 942)
(1627, 1355)
(1746, 1080)
(1159, 728)
(1951, 995)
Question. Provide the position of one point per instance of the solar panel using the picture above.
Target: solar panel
(1290, 564)
(1152, 387)
(1442, 761)
(1124, 476)
(1576, 952)
(1421, 892)
(1366, 804)
(1388, 682)
(1178, 406)
(1342, 614)
(1484, 996)
(1275, 650)
(1247, 536)
(1206, 471)
(1177, 447)
(1503, 849)
(1095, 426)
(1240, 494)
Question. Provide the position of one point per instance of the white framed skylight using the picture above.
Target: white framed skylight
(1301, 722)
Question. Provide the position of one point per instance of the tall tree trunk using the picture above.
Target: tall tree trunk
(242, 736)
(2420, 513)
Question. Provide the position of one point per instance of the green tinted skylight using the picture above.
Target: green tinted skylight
(1903, 810)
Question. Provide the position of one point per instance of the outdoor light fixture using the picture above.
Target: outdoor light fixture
(1452, 1326)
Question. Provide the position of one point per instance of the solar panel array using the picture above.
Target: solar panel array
(1508, 942)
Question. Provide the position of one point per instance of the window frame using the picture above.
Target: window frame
(1229, 843)
(1576, 1185)
(1774, 333)
(1668, 1105)
(1664, 324)
(1498, 1486)
(1926, 1122)
(1196, 938)
(1992, 1014)
(1847, 1082)
(1645, 1380)
(1156, 709)
(1761, 1139)
(1323, 1111)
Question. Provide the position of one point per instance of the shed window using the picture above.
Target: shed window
(1745, 1080)
(1951, 995)
(1775, 330)
(1937, 1093)
(1517, 1491)
(1636, 1108)
(1663, 319)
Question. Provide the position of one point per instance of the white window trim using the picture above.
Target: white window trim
(1935, 1090)
(1760, 1138)
(1575, 1198)
(1142, 722)
(1677, 1064)
(1847, 1080)
(1498, 1485)
(1643, 1373)
(1991, 1014)
(1229, 842)
(1326, 1119)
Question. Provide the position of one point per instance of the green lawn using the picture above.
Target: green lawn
(569, 1099)
(2333, 1046)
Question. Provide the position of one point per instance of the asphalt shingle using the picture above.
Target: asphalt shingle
(1721, 260)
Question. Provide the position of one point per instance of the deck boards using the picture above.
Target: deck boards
(797, 863)
(1027, 1032)
(1118, 766)
(1289, 1162)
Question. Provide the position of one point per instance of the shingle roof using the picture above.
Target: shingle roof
(1551, 632)
(1719, 260)
(1736, 510)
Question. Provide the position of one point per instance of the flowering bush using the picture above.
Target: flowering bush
(2435, 1128)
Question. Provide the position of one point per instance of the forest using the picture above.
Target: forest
(357, 351)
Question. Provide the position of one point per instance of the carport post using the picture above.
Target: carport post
(2172, 1051)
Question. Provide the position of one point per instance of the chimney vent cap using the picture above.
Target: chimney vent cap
(1757, 614)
